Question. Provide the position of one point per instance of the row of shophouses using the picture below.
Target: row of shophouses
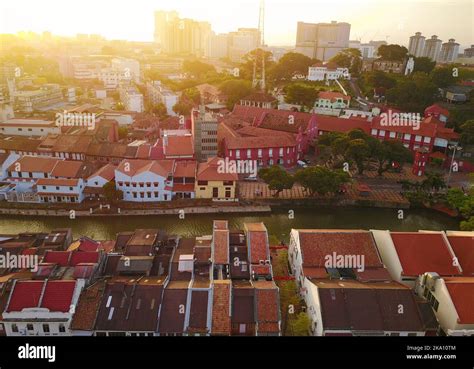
(35, 179)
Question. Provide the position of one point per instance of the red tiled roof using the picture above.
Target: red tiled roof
(332, 96)
(463, 247)
(83, 271)
(259, 97)
(267, 301)
(327, 123)
(258, 249)
(160, 167)
(67, 168)
(436, 109)
(57, 182)
(221, 246)
(57, 257)
(209, 171)
(423, 252)
(25, 294)
(180, 187)
(221, 323)
(107, 172)
(34, 164)
(461, 291)
(317, 244)
(58, 295)
(185, 169)
(79, 257)
(178, 146)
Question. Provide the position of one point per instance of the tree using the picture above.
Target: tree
(392, 52)
(413, 94)
(433, 182)
(277, 179)
(389, 152)
(111, 193)
(289, 65)
(157, 109)
(301, 94)
(359, 151)
(380, 79)
(467, 132)
(349, 58)
(235, 90)
(321, 180)
(192, 94)
(246, 67)
(197, 68)
(183, 107)
(122, 132)
(442, 77)
(423, 64)
(300, 325)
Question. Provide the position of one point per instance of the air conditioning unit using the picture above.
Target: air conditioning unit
(262, 262)
(267, 262)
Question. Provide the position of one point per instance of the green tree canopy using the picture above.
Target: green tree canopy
(392, 52)
(277, 178)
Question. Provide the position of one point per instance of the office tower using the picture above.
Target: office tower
(416, 45)
(218, 46)
(322, 40)
(242, 42)
(449, 51)
(432, 48)
(204, 129)
(161, 21)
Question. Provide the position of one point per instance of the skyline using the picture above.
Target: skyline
(367, 18)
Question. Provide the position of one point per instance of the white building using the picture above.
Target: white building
(452, 300)
(56, 190)
(449, 51)
(6, 160)
(157, 93)
(41, 308)
(29, 127)
(145, 180)
(130, 68)
(218, 46)
(131, 98)
(416, 45)
(327, 72)
(432, 48)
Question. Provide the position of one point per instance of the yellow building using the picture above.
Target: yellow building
(214, 182)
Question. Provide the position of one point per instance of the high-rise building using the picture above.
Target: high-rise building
(416, 45)
(469, 52)
(181, 35)
(449, 51)
(322, 40)
(218, 46)
(432, 48)
(161, 23)
(242, 42)
(204, 129)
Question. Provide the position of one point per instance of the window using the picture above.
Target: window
(249, 153)
(215, 192)
(46, 328)
(270, 152)
(259, 153)
(227, 193)
(29, 327)
(392, 134)
(228, 183)
(407, 136)
(57, 188)
(202, 183)
(241, 328)
(237, 154)
(374, 132)
(14, 328)
(381, 132)
(70, 188)
(417, 138)
(427, 139)
(281, 151)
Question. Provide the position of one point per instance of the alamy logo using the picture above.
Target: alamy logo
(66, 119)
(237, 167)
(400, 120)
(37, 352)
(333, 261)
(14, 261)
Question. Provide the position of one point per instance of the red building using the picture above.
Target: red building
(422, 157)
(438, 112)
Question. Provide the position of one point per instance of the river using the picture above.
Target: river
(277, 222)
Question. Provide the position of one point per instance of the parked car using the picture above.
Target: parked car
(251, 179)
(302, 164)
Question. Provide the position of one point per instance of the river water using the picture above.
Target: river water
(278, 222)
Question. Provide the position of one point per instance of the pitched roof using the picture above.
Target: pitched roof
(316, 245)
(461, 291)
(209, 171)
(259, 97)
(221, 323)
(355, 306)
(88, 307)
(178, 146)
(198, 311)
(107, 172)
(160, 167)
(258, 242)
(25, 294)
(463, 247)
(57, 182)
(327, 123)
(267, 305)
(173, 310)
(424, 252)
(58, 295)
(36, 164)
(242, 143)
(69, 169)
(332, 95)
(185, 169)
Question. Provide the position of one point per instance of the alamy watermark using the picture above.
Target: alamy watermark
(237, 166)
(68, 119)
(393, 119)
(14, 261)
(334, 260)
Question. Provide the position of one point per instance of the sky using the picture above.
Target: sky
(390, 20)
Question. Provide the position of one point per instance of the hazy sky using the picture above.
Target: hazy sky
(391, 20)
